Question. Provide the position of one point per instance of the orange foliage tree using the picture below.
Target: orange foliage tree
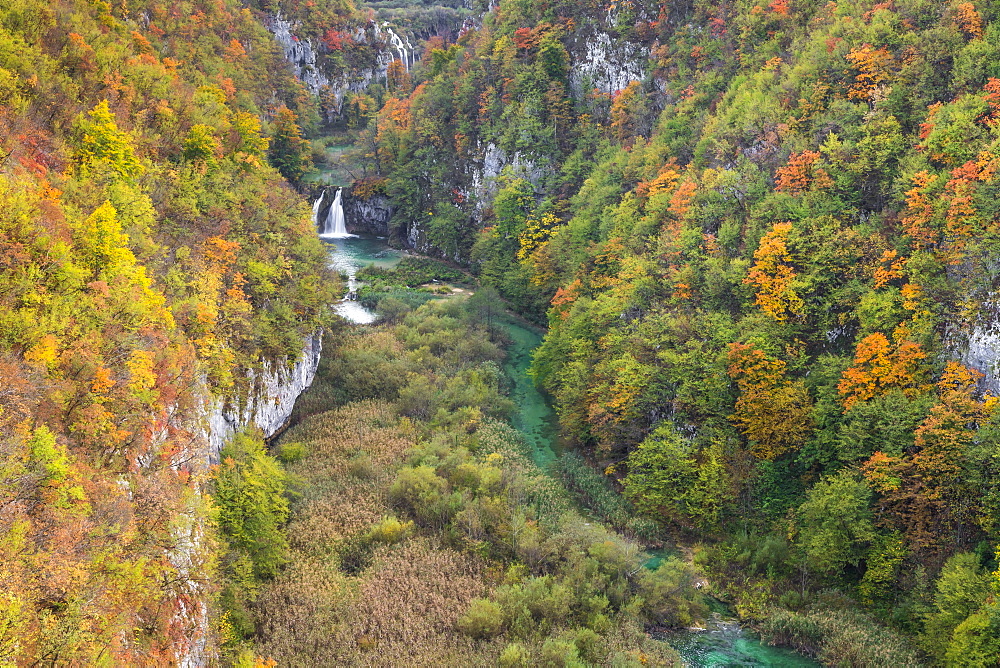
(968, 20)
(880, 366)
(918, 218)
(874, 68)
(801, 174)
(927, 491)
(773, 276)
(623, 113)
(772, 410)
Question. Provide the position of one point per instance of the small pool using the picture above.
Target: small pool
(725, 643)
(350, 254)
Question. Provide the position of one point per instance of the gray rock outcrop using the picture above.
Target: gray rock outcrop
(270, 403)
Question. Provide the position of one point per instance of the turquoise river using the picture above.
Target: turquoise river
(724, 642)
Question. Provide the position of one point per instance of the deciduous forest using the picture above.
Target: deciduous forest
(746, 251)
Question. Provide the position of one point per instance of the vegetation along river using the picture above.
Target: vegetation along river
(724, 642)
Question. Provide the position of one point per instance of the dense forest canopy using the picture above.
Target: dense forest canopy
(763, 262)
(149, 253)
(762, 238)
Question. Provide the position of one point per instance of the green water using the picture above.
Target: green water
(723, 643)
(534, 418)
(726, 644)
(349, 255)
(657, 557)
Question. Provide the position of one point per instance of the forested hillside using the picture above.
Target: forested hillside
(766, 259)
(763, 238)
(150, 259)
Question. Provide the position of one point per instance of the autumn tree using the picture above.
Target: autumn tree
(773, 276)
(624, 112)
(397, 78)
(289, 152)
(249, 488)
(880, 366)
(874, 71)
(201, 146)
(102, 147)
(772, 410)
(801, 174)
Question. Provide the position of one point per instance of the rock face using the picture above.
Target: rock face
(368, 216)
(269, 407)
(608, 65)
(192, 613)
(270, 404)
(981, 350)
(495, 160)
(308, 67)
(300, 53)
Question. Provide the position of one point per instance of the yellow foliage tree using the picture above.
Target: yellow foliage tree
(773, 275)
(773, 411)
(102, 146)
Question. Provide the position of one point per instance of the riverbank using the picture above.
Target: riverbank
(424, 531)
(588, 491)
(719, 639)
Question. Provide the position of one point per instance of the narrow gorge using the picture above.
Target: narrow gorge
(498, 332)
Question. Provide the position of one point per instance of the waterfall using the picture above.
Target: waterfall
(334, 227)
(316, 206)
(401, 47)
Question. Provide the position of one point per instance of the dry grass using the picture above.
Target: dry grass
(351, 597)
(336, 501)
(399, 611)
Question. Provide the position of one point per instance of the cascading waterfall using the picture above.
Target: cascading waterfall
(334, 227)
(403, 48)
(316, 206)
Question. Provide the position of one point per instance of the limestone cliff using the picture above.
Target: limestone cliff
(270, 404)
(369, 216)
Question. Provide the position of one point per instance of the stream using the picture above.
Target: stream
(349, 255)
(724, 642)
(534, 418)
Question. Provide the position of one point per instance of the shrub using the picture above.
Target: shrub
(415, 487)
(289, 453)
(559, 653)
(484, 619)
(356, 552)
(361, 467)
(669, 596)
(589, 646)
(425, 494)
(390, 531)
(515, 655)
(411, 272)
(597, 494)
(371, 297)
(392, 309)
